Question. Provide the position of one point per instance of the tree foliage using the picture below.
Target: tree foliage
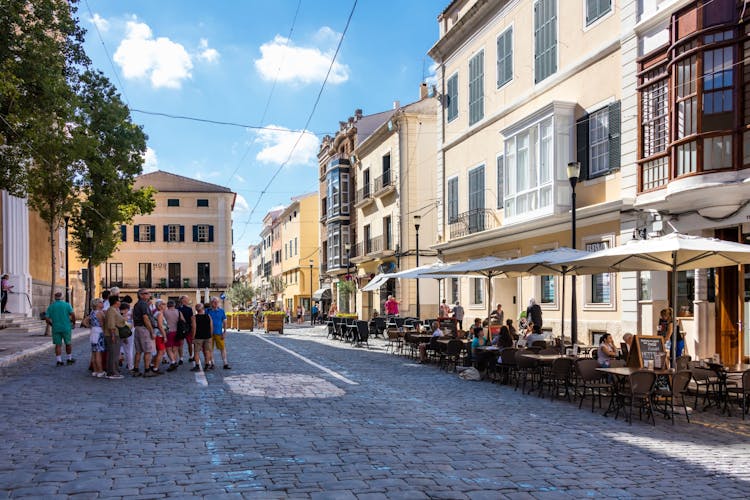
(241, 293)
(277, 285)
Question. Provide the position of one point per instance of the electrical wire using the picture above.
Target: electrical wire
(106, 51)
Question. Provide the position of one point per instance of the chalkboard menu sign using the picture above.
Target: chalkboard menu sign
(645, 348)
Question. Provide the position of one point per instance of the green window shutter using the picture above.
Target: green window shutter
(614, 135)
(195, 233)
(182, 233)
(211, 235)
(123, 233)
(582, 145)
(166, 232)
(153, 234)
(136, 233)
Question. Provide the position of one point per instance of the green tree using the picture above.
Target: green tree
(277, 285)
(241, 293)
(346, 289)
(40, 56)
(112, 150)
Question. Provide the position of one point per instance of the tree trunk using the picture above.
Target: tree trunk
(53, 263)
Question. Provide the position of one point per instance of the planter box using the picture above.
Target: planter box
(232, 321)
(273, 323)
(244, 321)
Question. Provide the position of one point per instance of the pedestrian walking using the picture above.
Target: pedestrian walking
(458, 315)
(219, 330)
(6, 288)
(315, 311)
(144, 334)
(203, 328)
(187, 314)
(300, 314)
(112, 321)
(61, 318)
(96, 337)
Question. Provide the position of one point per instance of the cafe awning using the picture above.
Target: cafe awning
(322, 294)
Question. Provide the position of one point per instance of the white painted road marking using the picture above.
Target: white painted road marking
(309, 362)
(200, 377)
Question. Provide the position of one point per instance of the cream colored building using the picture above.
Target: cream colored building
(525, 90)
(184, 247)
(298, 225)
(394, 175)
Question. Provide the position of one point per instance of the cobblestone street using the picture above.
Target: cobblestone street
(299, 416)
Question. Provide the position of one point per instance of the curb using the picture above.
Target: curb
(14, 358)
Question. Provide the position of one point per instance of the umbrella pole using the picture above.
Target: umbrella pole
(489, 300)
(562, 315)
(673, 339)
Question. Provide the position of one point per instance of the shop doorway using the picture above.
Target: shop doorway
(728, 305)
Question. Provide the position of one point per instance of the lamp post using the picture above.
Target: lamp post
(311, 292)
(348, 249)
(574, 170)
(89, 278)
(417, 222)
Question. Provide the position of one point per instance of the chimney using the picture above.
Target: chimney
(396, 104)
(422, 91)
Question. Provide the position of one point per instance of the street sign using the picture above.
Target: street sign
(223, 296)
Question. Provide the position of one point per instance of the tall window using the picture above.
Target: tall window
(452, 97)
(477, 291)
(476, 199)
(596, 9)
(367, 239)
(505, 57)
(545, 39)
(203, 233)
(453, 293)
(173, 232)
(600, 283)
(115, 274)
(452, 204)
(145, 232)
(204, 274)
(528, 172)
(387, 236)
(476, 88)
(548, 289)
(144, 275)
(599, 141)
(654, 127)
(500, 180)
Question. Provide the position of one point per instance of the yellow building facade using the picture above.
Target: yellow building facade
(298, 225)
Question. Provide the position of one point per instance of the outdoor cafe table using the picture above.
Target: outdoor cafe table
(722, 374)
(621, 373)
(544, 359)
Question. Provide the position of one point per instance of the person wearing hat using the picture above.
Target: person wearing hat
(61, 318)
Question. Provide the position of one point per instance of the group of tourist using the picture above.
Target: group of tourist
(155, 331)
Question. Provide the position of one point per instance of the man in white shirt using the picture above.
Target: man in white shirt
(436, 332)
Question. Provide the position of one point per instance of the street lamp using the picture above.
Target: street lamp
(417, 221)
(311, 292)
(574, 170)
(89, 278)
(348, 249)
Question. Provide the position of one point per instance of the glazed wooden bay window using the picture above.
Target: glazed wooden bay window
(690, 99)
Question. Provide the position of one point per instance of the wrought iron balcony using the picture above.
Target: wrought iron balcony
(473, 221)
(383, 182)
(364, 196)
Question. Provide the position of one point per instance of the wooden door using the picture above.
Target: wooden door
(728, 308)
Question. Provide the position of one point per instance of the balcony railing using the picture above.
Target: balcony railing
(363, 195)
(473, 221)
(376, 244)
(383, 182)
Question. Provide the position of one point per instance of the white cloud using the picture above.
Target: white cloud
(204, 176)
(239, 178)
(295, 64)
(150, 161)
(240, 204)
(431, 78)
(207, 53)
(100, 23)
(160, 60)
(278, 143)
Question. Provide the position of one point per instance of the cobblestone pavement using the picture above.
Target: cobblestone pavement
(302, 417)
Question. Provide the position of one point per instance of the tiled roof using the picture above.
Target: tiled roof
(169, 182)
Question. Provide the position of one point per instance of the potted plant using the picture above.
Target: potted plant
(244, 320)
(273, 321)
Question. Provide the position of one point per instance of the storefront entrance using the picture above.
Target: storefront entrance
(729, 305)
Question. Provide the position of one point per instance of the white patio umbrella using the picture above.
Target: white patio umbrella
(542, 264)
(488, 267)
(673, 252)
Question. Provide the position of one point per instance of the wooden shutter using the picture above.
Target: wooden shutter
(195, 233)
(153, 234)
(211, 237)
(582, 145)
(614, 135)
(124, 233)
(166, 232)
(136, 233)
(182, 233)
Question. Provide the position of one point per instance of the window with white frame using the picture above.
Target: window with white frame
(500, 180)
(202, 233)
(452, 97)
(144, 233)
(173, 232)
(600, 285)
(505, 57)
(596, 9)
(547, 295)
(545, 39)
(476, 88)
(528, 170)
(599, 141)
(477, 291)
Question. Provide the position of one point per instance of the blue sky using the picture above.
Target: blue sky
(219, 60)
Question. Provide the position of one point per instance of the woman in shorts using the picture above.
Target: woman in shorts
(202, 326)
(174, 346)
(96, 319)
(160, 335)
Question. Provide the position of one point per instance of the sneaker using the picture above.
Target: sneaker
(172, 367)
(60, 363)
(71, 361)
(196, 368)
(180, 363)
(227, 367)
(210, 367)
(116, 376)
(101, 375)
